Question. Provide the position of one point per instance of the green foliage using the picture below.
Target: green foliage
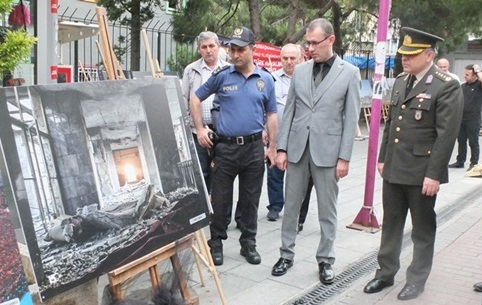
(126, 11)
(185, 54)
(5, 6)
(14, 49)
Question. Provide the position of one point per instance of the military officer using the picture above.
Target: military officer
(419, 136)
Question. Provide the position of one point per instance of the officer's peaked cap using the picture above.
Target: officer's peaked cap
(416, 41)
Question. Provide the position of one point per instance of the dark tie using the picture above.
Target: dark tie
(410, 83)
(318, 73)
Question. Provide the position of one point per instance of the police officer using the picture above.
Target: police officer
(419, 136)
(247, 101)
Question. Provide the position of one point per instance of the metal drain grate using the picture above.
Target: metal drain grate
(368, 264)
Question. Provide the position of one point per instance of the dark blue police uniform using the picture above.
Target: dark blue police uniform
(243, 103)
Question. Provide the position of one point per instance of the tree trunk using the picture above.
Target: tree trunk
(293, 18)
(299, 35)
(338, 46)
(254, 16)
(136, 27)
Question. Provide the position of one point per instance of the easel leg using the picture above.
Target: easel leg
(198, 264)
(181, 279)
(210, 264)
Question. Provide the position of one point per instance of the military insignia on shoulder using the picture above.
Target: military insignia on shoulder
(217, 70)
(260, 85)
(443, 76)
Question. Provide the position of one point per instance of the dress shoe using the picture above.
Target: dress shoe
(327, 275)
(252, 256)
(376, 285)
(217, 255)
(456, 165)
(273, 215)
(281, 267)
(478, 286)
(410, 291)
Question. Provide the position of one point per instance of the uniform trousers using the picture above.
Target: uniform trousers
(247, 163)
(398, 199)
(326, 186)
(469, 130)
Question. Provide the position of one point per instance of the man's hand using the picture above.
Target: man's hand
(342, 168)
(203, 137)
(380, 168)
(430, 187)
(270, 155)
(282, 160)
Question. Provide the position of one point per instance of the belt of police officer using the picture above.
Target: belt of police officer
(241, 140)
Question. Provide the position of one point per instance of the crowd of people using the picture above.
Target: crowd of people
(301, 120)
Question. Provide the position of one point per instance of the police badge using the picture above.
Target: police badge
(260, 84)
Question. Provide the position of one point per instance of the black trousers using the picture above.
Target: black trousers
(397, 201)
(469, 130)
(247, 163)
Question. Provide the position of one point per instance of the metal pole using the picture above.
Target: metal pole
(366, 219)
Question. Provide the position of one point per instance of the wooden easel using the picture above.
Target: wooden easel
(196, 241)
(156, 73)
(111, 64)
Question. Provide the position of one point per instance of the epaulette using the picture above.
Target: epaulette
(217, 70)
(443, 76)
(266, 70)
(402, 74)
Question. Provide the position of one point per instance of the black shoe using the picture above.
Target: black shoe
(217, 255)
(376, 285)
(456, 165)
(471, 166)
(327, 275)
(273, 215)
(478, 286)
(281, 267)
(252, 256)
(300, 227)
(409, 292)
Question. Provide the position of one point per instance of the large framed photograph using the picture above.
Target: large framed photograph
(103, 173)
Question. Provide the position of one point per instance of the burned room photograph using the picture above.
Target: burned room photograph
(109, 170)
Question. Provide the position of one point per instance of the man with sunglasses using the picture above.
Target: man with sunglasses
(424, 117)
(316, 139)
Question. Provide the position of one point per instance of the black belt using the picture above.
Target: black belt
(242, 139)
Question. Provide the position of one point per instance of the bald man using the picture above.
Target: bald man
(444, 65)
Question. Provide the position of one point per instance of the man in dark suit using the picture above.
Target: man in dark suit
(418, 139)
(316, 139)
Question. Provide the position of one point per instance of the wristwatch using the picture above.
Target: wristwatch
(477, 71)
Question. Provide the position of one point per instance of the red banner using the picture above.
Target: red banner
(268, 56)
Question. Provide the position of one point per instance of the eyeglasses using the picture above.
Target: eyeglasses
(308, 44)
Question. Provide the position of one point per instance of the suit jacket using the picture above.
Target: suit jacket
(325, 117)
(421, 129)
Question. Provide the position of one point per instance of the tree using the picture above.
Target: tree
(16, 45)
(133, 13)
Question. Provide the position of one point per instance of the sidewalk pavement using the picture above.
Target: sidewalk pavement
(457, 263)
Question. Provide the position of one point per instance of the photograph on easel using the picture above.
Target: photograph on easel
(108, 170)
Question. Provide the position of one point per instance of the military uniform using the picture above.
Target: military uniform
(417, 143)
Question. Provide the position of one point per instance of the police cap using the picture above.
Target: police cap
(242, 36)
(416, 41)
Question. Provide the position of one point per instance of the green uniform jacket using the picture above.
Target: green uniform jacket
(421, 130)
